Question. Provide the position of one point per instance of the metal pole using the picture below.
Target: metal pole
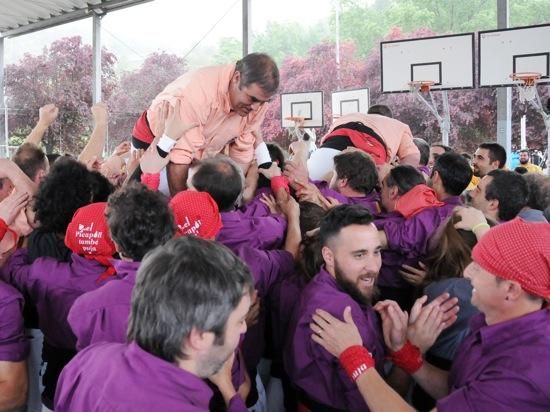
(247, 28)
(504, 94)
(338, 44)
(2, 99)
(96, 77)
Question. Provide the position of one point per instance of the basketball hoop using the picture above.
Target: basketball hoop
(423, 86)
(527, 85)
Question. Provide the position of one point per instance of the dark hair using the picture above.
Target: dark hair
(466, 156)
(496, 153)
(424, 149)
(139, 220)
(189, 283)
(101, 187)
(454, 171)
(524, 151)
(52, 157)
(380, 109)
(222, 179)
(312, 258)
(277, 154)
(311, 215)
(67, 187)
(405, 177)
(340, 217)
(359, 170)
(539, 191)
(452, 253)
(31, 159)
(510, 189)
(259, 68)
(521, 170)
(444, 147)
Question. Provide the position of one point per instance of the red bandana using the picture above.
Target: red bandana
(88, 235)
(520, 251)
(196, 213)
(416, 200)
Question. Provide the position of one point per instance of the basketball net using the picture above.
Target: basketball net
(527, 85)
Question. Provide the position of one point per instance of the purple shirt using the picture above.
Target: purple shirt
(369, 201)
(14, 345)
(124, 377)
(267, 267)
(102, 315)
(312, 368)
(53, 286)
(411, 237)
(504, 367)
(262, 232)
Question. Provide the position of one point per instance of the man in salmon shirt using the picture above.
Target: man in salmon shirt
(227, 105)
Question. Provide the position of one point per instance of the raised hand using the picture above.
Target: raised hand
(47, 114)
(414, 275)
(273, 171)
(12, 205)
(100, 113)
(333, 334)
(175, 127)
(394, 324)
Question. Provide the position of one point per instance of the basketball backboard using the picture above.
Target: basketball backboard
(350, 101)
(448, 61)
(516, 50)
(308, 105)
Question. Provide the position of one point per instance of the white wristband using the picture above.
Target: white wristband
(166, 143)
(262, 154)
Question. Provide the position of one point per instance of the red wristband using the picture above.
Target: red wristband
(151, 180)
(278, 182)
(3, 228)
(356, 360)
(408, 358)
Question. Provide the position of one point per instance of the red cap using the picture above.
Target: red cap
(519, 251)
(88, 235)
(196, 213)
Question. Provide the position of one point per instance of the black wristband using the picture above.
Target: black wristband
(161, 152)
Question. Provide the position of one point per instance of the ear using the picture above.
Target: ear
(514, 291)
(328, 256)
(40, 176)
(198, 341)
(342, 182)
(394, 193)
(236, 78)
(493, 205)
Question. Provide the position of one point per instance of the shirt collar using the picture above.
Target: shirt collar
(170, 376)
(494, 335)
(223, 92)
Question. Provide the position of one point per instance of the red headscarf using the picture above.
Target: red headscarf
(88, 235)
(519, 251)
(196, 213)
(416, 200)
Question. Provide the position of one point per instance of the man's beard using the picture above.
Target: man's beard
(524, 162)
(351, 288)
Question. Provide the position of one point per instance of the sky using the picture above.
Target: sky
(175, 26)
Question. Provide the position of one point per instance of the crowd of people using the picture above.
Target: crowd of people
(200, 267)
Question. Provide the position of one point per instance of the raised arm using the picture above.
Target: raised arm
(96, 143)
(46, 116)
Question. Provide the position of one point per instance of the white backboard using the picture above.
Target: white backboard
(307, 104)
(350, 101)
(448, 61)
(507, 51)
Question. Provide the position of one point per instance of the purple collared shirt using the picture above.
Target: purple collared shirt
(369, 201)
(14, 345)
(502, 367)
(124, 377)
(102, 315)
(309, 366)
(53, 286)
(411, 237)
(241, 229)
